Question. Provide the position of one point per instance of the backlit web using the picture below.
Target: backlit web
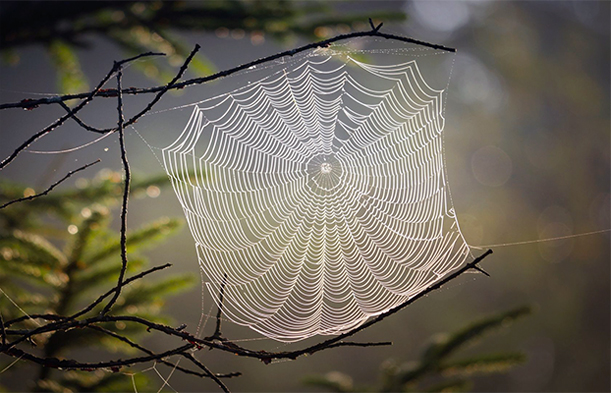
(317, 194)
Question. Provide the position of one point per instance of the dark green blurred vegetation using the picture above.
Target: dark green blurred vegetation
(64, 27)
(438, 370)
(58, 254)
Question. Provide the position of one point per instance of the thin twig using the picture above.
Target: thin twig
(113, 290)
(45, 192)
(48, 317)
(375, 28)
(32, 103)
(217, 335)
(165, 88)
(267, 357)
(53, 317)
(128, 177)
(439, 284)
(216, 341)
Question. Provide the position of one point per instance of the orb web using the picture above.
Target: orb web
(317, 195)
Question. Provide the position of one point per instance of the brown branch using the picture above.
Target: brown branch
(227, 346)
(267, 357)
(32, 103)
(165, 88)
(62, 320)
(48, 317)
(45, 192)
(216, 341)
(318, 347)
(375, 28)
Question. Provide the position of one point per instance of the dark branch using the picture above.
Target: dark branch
(439, 284)
(121, 127)
(125, 201)
(62, 320)
(269, 356)
(351, 344)
(375, 28)
(165, 88)
(70, 364)
(217, 335)
(45, 192)
(216, 341)
(32, 103)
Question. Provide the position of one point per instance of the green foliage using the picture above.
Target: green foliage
(436, 371)
(70, 77)
(138, 27)
(58, 254)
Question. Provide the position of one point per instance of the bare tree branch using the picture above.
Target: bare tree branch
(33, 103)
(125, 200)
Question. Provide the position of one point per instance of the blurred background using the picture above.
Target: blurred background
(527, 150)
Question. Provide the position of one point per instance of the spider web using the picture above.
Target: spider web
(317, 195)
